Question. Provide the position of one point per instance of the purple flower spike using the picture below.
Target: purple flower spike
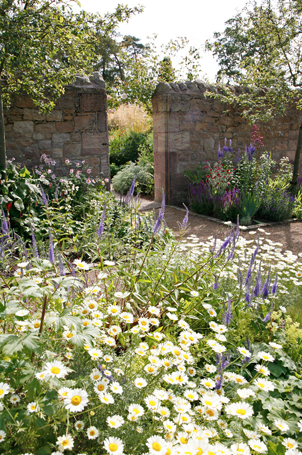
(265, 289)
(34, 243)
(44, 197)
(131, 191)
(4, 223)
(267, 317)
(216, 284)
(50, 249)
(228, 314)
(102, 222)
(186, 218)
(274, 287)
(248, 297)
(160, 217)
(214, 245)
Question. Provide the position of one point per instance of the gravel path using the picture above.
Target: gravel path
(290, 234)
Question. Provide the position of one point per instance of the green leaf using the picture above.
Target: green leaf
(275, 449)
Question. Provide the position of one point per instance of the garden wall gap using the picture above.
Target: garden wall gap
(189, 127)
(76, 129)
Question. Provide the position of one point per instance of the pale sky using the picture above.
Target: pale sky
(195, 20)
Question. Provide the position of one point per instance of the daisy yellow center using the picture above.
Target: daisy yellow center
(33, 407)
(266, 357)
(257, 447)
(200, 451)
(101, 387)
(184, 419)
(69, 335)
(64, 443)
(144, 323)
(176, 352)
(84, 312)
(55, 370)
(152, 403)
(163, 412)
(76, 400)
(261, 385)
(184, 440)
(211, 453)
(242, 412)
(208, 403)
(105, 399)
(80, 265)
(190, 395)
(92, 432)
(150, 369)
(91, 306)
(85, 323)
(136, 411)
(1, 392)
(139, 383)
(191, 338)
(290, 445)
(96, 376)
(210, 412)
(191, 371)
(64, 394)
(95, 354)
(1, 437)
(169, 427)
(156, 446)
(37, 325)
(207, 384)
(113, 447)
(168, 452)
(240, 450)
(112, 422)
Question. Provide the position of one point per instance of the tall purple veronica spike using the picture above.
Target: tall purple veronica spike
(51, 253)
(214, 245)
(216, 284)
(248, 297)
(257, 288)
(238, 158)
(220, 153)
(225, 244)
(102, 222)
(34, 243)
(228, 314)
(275, 284)
(4, 223)
(265, 289)
(239, 277)
(44, 197)
(267, 317)
(61, 267)
(186, 218)
(160, 217)
(131, 191)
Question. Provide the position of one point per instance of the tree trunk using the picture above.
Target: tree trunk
(297, 161)
(2, 136)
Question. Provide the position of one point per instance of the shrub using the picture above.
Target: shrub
(124, 145)
(121, 182)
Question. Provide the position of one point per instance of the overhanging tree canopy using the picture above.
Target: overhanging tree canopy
(261, 49)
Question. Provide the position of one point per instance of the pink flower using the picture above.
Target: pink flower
(106, 180)
(88, 181)
(71, 171)
(88, 171)
(67, 161)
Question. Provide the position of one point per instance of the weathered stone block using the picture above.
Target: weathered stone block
(45, 128)
(45, 145)
(33, 114)
(92, 102)
(24, 101)
(57, 153)
(24, 128)
(94, 140)
(76, 137)
(38, 136)
(64, 127)
(61, 137)
(54, 116)
(72, 149)
(84, 122)
(179, 141)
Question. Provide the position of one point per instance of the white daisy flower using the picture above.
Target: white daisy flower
(156, 445)
(56, 369)
(2, 435)
(114, 446)
(290, 443)
(81, 264)
(275, 345)
(241, 409)
(14, 399)
(65, 442)
(265, 385)
(92, 432)
(76, 400)
(106, 398)
(281, 425)
(266, 356)
(140, 383)
(22, 313)
(33, 407)
(4, 389)
(257, 445)
(115, 421)
(114, 310)
(263, 370)
(79, 425)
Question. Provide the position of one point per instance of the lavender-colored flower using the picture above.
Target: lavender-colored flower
(238, 157)
(257, 288)
(186, 218)
(250, 152)
(102, 222)
(220, 153)
(61, 267)
(225, 244)
(216, 284)
(44, 197)
(267, 317)
(248, 297)
(131, 191)
(4, 223)
(219, 382)
(214, 245)
(275, 284)
(239, 277)
(265, 289)
(51, 253)
(34, 243)
(160, 217)
(72, 269)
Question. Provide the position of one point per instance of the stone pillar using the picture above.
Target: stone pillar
(76, 129)
(188, 128)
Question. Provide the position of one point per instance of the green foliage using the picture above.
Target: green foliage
(144, 178)
(250, 205)
(124, 146)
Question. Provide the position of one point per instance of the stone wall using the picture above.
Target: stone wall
(189, 127)
(76, 129)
